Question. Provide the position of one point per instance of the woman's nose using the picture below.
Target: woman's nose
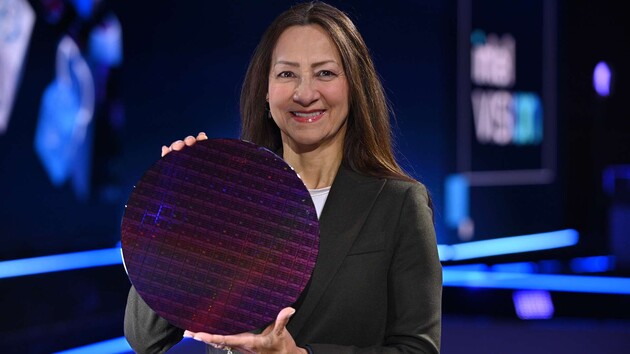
(305, 93)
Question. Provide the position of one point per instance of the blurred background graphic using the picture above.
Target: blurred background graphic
(513, 113)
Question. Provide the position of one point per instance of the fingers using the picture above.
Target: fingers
(221, 341)
(202, 136)
(180, 144)
(177, 145)
(268, 341)
(282, 320)
(190, 140)
(208, 338)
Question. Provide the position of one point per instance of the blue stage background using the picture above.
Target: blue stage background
(181, 71)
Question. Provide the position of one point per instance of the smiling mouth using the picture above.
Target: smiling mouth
(307, 117)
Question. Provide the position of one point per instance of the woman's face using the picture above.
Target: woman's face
(308, 91)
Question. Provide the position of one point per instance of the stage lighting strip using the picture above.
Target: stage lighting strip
(111, 346)
(462, 278)
(508, 245)
(462, 251)
(475, 276)
(60, 262)
(525, 281)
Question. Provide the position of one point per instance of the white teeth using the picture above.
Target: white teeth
(307, 115)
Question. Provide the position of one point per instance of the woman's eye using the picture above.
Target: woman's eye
(326, 73)
(286, 74)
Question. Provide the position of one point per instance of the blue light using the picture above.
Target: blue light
(613, 173)
(112, 346)
(602, 77)
(63, 136)
(593, 264)
(528, 116)
(480, 267)
(17, 19)
(477, 37)
(457, 199)
(60, 262)
(524, 281)
(84, 8)
(533, 304)
(550, 266)
(509, 245)
(445, 252)
(105, 43)
(519, 267)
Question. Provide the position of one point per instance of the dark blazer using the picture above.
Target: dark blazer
(377, 284)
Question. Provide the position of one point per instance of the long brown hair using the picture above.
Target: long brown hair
(368, 140)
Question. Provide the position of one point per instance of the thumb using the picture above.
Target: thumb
(282, 320)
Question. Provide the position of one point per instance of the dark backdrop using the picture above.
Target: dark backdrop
(182, 70)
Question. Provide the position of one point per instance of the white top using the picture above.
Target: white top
(319, 198)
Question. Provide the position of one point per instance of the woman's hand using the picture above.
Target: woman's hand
(179, 144)
(274, 339)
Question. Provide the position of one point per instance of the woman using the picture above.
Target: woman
(312, 94)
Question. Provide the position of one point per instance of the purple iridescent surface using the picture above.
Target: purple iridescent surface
(220, 236)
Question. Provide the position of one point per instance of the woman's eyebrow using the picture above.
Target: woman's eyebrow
(297, 65)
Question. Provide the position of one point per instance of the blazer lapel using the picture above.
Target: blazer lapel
(347, 206)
